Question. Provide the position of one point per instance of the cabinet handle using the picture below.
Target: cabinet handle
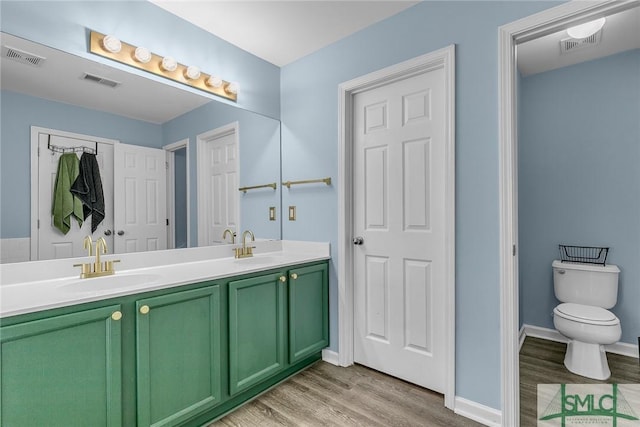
(294, 276)
(116, 315)
(144, 309)
(283, 279)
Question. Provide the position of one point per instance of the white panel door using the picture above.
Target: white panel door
(140, 199)
(399, 205)
(219, 179)
(52, 244)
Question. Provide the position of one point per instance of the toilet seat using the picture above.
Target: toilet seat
(586, 314)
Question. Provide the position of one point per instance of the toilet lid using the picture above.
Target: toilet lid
(586, 314)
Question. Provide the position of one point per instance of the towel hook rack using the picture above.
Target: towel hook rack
(254, 187)
(63, 150)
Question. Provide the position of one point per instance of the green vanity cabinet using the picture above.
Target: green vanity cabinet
(256, 329)
(63, 370)
(308, 311)
(178, 355)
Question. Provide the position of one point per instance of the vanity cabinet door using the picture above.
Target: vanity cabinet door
(256, 329)
(63, 370)
(177, 355)
(308, 311)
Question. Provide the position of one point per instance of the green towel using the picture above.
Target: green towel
(65, 204)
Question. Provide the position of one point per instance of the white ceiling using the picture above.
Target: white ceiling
(283, 31)
(621, 32)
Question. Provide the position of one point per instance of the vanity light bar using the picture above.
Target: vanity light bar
(126, 54)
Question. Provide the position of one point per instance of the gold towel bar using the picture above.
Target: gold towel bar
(245, 189)
(288, 184)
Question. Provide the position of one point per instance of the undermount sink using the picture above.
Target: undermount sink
(113, 282)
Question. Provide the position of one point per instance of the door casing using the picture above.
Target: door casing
(509, 35)
(443, 58)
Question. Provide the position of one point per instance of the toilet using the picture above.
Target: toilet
(586, 291)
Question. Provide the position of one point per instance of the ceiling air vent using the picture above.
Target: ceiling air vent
(570, 44)
(22, 56)
(101, 80)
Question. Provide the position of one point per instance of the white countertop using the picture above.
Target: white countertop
(41, 285)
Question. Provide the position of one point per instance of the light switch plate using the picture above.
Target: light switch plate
(292, 213)
(272, 213)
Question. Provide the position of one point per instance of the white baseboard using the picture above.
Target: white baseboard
(622, 348)
(477, 412)
(330, 356)
(521, 338)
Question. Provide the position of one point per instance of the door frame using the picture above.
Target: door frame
(509, 35)
(171, 191)
(35, 202)
(203, 197)
(445, 59)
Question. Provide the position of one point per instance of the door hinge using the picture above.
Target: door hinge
(38, 151)
(514, 250)
(166, 165)
(167, 221)
(38, 224)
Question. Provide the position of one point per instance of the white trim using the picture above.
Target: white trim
(477, 412)
(203, 198)
(330, 356)
(621, 348)
(171, 149)
(521, 336)
(509, 35)
(35, 132)
(445, 59)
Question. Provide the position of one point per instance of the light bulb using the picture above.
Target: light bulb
(142, 54)
(192, 72)
(214, 81)
(169, 64)
(112, 44)
(232, 88)
(587, 29)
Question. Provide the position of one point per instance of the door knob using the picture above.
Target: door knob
(120, 232)
(294, 276)
(358, 240)
(107, 232)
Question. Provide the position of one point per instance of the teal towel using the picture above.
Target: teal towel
(65, 204)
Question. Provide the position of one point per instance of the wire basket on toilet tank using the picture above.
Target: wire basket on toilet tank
(584, 254)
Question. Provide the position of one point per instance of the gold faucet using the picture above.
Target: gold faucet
(97, 268)
(245, 251)
(230, 232)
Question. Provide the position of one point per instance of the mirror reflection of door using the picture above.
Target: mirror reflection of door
(134, 186)
(52, 243)
(218, 198)
(180, 205)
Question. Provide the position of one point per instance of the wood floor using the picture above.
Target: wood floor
(327, 395)
(542, 362)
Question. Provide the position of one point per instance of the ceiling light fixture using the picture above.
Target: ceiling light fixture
(587, 29)
(111, 47)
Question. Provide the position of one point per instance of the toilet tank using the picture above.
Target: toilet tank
(587, 284)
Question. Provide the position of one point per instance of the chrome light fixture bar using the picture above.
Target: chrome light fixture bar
(139, 57)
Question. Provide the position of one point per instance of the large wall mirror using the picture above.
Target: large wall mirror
(209, 149)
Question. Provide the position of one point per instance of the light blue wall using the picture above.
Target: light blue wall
(310, 150)
(64, 25)
(17, 114)
(579, 173)
(259, 161)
